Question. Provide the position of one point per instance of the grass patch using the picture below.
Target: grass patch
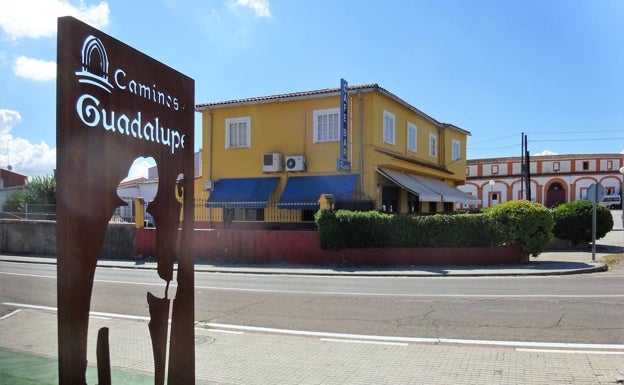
(612, 260)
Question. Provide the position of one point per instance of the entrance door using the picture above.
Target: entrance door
(555, 195)
(390, 199)
(494, 198)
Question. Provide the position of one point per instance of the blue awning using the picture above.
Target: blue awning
(303, 192)
(235, 193)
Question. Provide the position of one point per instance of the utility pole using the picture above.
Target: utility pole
(527, 160)
(522, 196)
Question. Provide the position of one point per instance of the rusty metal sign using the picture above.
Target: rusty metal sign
(115, 104)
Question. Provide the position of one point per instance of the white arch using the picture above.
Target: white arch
(90, 45)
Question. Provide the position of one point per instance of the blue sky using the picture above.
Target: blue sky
(551, 69)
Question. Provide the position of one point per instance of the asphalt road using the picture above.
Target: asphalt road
(566, 309)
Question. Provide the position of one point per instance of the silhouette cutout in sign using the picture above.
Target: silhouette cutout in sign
(115, 104)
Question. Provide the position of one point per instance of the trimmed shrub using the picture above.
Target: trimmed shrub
(528, 224)
(573, 221)
(346, 229)
(343, 228)
(443, 230)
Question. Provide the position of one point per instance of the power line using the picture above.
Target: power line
(570, 132)
(493, 148)
(574, 140)
(546, 140)
(502, 137)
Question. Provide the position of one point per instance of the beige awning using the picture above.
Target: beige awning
(428, 189)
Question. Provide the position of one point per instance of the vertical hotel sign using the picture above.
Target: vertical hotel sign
(115, 104)
(343, 164)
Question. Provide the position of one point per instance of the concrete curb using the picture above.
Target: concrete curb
(548, 268)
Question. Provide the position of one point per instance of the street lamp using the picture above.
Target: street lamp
(622, 196)
(622, 188)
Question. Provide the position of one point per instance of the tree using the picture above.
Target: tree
(573, 221)
(41, 191)
(15, 203)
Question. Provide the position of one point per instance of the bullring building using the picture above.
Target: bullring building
(554, 179)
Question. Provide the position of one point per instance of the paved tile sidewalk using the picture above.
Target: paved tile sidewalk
(224, 357)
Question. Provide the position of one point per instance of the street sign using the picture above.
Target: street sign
(114, 104)
(343, 165)
(595, 193)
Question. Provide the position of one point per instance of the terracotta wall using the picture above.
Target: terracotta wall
(302, 247)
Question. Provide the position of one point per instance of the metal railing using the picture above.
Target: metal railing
(33, 212)
(205, 217)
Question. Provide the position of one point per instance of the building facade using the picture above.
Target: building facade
(129, 190)
(554, 179)
(10, 183)
(269, 159)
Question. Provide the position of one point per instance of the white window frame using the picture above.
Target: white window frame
(412, 137)
(456, 148)
(389, 123)
(228, 132)
(433, 145)
(333, 135)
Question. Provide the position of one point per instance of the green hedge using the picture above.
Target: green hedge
(573, 221)
(527, 224)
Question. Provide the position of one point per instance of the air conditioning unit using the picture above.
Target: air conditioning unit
(272, 162)
(295, 163)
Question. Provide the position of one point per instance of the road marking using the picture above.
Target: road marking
(360, 294)
(451, 341)
(365, 342)
(29, 275)
(307, 333)
(91, 313)
(11, 314)
(172, 284)
(219, 331)
(527, 344)
(364, 337)
(412, 295)
(596, 352)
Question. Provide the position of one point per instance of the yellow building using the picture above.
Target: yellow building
(270, 158)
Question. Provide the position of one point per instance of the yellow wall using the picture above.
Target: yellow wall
(286, 127)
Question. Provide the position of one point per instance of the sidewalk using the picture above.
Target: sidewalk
(28, 342)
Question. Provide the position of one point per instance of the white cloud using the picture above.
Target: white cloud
(8, 120)
(545, 152)
(139, 168)
(259, 7)
(35, 69)
(32, 159)
(37, 18)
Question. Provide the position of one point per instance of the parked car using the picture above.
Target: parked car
(612, 201)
